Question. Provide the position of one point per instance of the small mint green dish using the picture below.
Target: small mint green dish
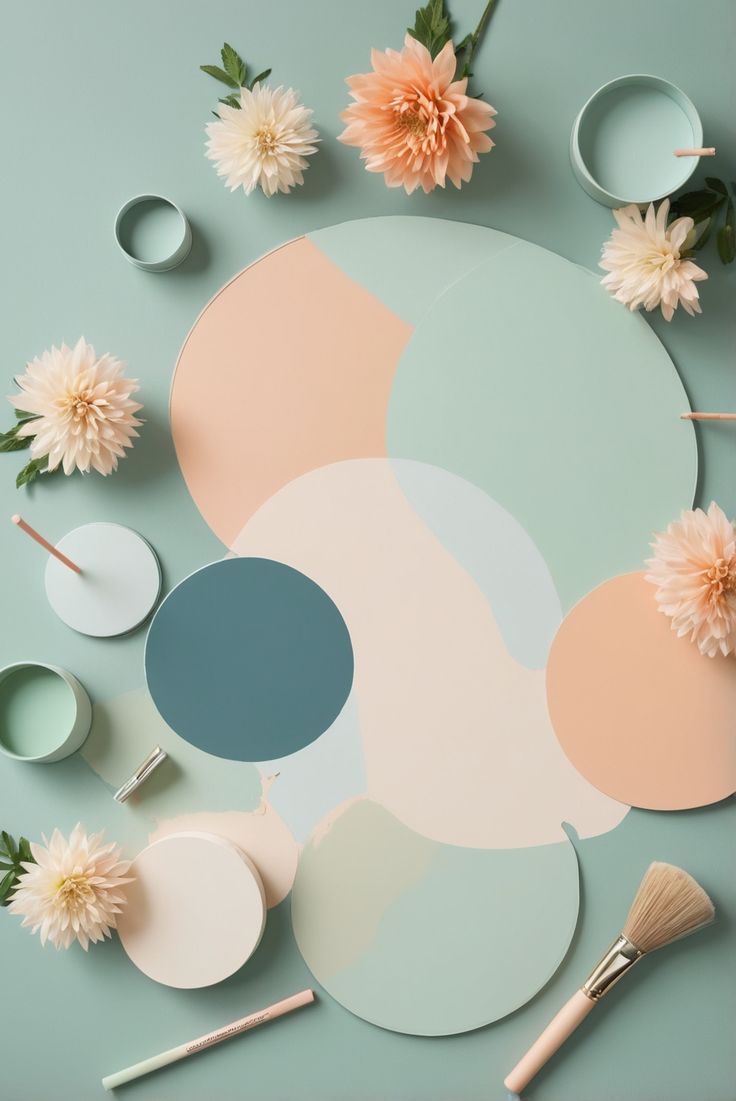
(153, 233)
(623, 141)
(45, 713)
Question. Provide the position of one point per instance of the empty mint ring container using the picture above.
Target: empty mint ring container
(45, 713)
(153, 233)
(623, 141)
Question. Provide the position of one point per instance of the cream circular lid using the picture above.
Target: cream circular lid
(195, 912)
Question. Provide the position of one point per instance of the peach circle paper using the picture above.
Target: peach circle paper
(640, 712)
(195, 911)
(294, 361)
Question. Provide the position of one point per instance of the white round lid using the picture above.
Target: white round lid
(118, 586)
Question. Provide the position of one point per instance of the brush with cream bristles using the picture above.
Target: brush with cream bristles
(668, 905)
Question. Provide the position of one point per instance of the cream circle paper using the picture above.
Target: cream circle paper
(195, 912)
(118, 586)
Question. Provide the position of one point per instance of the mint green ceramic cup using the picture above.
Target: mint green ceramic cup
(623, 141)
(45, 713)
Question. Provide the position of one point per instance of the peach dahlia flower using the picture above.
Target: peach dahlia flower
(694, 569)
(413, 121)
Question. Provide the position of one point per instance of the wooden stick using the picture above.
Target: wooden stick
(45, 543)
(708, 151)
(708, 416)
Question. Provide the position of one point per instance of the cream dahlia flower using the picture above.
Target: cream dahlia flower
(73, 891)
(694, 569)
(644, 262)
(263, 143)
(82, 409)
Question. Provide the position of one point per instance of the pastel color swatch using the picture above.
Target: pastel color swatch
(427, 938)
(195, 911)
(249, 659)
(640, 712)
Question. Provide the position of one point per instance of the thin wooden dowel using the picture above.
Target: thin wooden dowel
(708, 416)
(706, 151)
(44, 543)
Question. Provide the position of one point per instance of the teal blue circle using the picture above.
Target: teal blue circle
(249, 659)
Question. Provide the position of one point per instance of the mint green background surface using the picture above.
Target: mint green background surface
(97, 108)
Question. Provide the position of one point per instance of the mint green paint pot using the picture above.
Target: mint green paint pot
(45, 713)
(623, 141)
(153, 233)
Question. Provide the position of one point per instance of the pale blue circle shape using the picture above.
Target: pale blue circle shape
(249, 659)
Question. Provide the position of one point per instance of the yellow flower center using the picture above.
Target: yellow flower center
(80, 405)
(266, 140)
(415, 124)
(74, 891)
(721, 578)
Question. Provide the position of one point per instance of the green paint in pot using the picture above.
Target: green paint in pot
(37, 711)
(623, 141)
(151, 230)
(629, 138)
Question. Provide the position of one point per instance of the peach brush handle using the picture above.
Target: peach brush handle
(553, 1037)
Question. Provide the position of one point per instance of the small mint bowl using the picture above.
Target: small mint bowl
(623, 141)
(153, 233)
(45, 713)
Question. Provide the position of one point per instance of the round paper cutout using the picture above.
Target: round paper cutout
(118, 586)
(641, 713)
(195, 911)
(425, 938)
(249, 659)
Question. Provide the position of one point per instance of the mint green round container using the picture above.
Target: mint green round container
(153, 233)
(45, 713)
(622, 142)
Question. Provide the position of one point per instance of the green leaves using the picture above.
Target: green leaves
(30, 471)
(12, 857)
(233, 73)
(432, 26)
(260, 78)
(726, 240)
(704, 206)
(234, 65)
(220, 74)
(463, 56)
(11, 441)
(716, 185)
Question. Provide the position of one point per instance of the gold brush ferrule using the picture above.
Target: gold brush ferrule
(620, 957)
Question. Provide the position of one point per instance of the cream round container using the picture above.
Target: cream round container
(45, 713)
(623, 141)
(153, 233)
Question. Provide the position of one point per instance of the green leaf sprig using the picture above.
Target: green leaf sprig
(706, 206)
(233, 73)
(11, 441)
(12, 857)
(433, 28)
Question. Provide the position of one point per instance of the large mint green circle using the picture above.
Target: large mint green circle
(249, 659)
(426, 938)
(527, 379)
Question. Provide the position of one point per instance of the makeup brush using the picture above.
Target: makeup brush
(668, 905)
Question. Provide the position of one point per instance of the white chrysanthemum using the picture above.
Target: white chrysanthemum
(73, 891)
(264, 143)
(84, 414)
(694, 569)
(644, 262)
